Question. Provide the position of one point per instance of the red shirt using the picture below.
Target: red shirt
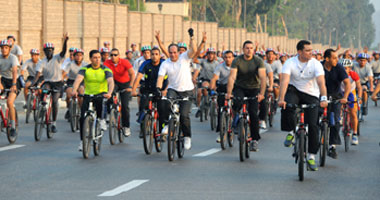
(354, 76)
(120, 71)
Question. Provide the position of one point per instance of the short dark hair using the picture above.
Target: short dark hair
(301, 44)
(114, 49)
(156, 49)
(328, 53)
(92, 52)
(173, 45)
(11, 36)
(227, 52)
(247, 42)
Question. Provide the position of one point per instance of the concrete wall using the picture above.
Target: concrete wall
(90, 24)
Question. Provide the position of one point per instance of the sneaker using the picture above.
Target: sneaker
(218, 139)
(355, 140)
(141, 136)
(80, 147)
(54, 129)
(254, 146)
(126, 131)
(311, 165)
(332, 153)
(67, 114)
(103, 124)
(198, 114)
(263, 125)
(165, 130)
(289, 140)
(13, 132)
(187, 143)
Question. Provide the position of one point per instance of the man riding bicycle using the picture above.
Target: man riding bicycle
(366, 78)
(30, 66)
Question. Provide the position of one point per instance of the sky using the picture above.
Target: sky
(376, 20)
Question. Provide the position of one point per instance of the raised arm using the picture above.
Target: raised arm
(64, 46)
(162, 47)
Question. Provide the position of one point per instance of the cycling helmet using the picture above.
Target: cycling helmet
(375, 52)
(182, 45)
(146, 48)
(48, 45)
(314, 52)
(282, 55)
(363, 56)
(104, 50)
(346, 62)
(106, 43)
(35, 51)
(319, 52)
(78, 50)
(72, 49)
(5, 43)
(270, 50)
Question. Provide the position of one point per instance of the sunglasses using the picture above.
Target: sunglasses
(114, 55)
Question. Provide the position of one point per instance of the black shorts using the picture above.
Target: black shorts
(31, 79)
(54, 85)
(7, 84)
(70, 83)
(276, 81)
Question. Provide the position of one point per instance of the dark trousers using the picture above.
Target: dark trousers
(220, 100)
(55, 95)
(263, 108)
(124, 99)
(99, 105)
(252, 107)
(162, 106)
(288, 116)
(334, 130)
(184, 109)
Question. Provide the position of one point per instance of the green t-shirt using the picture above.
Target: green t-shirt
(95, 80)
(248, 71)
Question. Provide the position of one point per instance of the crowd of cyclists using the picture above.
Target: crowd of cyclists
(184, 70)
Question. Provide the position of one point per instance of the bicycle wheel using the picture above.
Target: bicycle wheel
(358, 129)
(223, 129)
(247, 136)
(230, 134)
(49, 133)
(73, 113)
(180, 142)
(213, 116)
(35, 108)
(242, 140)
(87, 136)
(346, 132)
(157, 139)
(112, 127)
(29, 102)
(12, 139)
(40, 123)
(171, 140)
(147, 133)
(97, 143)
(323, 142)
(271, 112)
(118, 125)
(301, 154)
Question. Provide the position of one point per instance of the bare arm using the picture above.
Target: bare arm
(192, 49)
(270, 77)
(263, 83)
(160, 81)
(131, 73)
(284, 82)
(213, 82)
(162, 47)
(136, 83)
(322, 85)
(201, 46)
(111, 85)
(347, 88)
(370, 79)
(231, 82)
(64, 47)
(77, 82)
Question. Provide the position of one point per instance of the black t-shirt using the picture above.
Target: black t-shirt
(334, 79)
(150, 72)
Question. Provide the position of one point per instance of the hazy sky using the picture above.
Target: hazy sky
(376, 20)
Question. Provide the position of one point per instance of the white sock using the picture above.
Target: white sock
(332, 146)
(53, 123)
(291, 133)
(311, 156)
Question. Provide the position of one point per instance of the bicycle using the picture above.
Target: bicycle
(362, 111)
(5, 123)
(347, 129)
(32, 101)
(175, 134)
(74, 111)
(271, 108)
(213, 111)
(91, 128)
(115, 129)
(301, 134)
(225, 125)
(244, 131)
(150, 128)
(204, 105)
(44, 115)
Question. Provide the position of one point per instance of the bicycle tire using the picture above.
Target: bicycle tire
(12, 139)
(147, 134)
(358, 129)
(28, 108)
(118, 125)
(71, 114)
(35, 108)
(346, 141)
(49, 133)
(97, 144)
(323, 141)
(180, 142)
(301, 154)
(171, 140)
(87, 137)
(212, 116)
(271, 113)
(230, 134)
(39, 124)
(112, 132)
(223, 130)
(157, 139)
(346, 133)
(242, 140)
(247, 135)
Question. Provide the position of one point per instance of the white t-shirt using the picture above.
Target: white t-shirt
(138, 62)
(303, 76)
(179, 73)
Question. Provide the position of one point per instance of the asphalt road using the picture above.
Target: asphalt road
(54, 169)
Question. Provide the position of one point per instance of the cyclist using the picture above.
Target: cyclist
(50, 68)
(302, 81)
(129, 56)
(335, 76)
(353, 107)
(15, 49)
(30, 66)
(277, 68)
(366, 78)
(135, 52)
(178, 70)
(248, 79)
(149, 70)
(146, 51)
(8, 72)
(71, 70)
(105, 53)
(124, 76)
(205, 75)
(376, 64)
(70, 58)
(97, 79)
(221, 74)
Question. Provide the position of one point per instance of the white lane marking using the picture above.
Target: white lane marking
(207, 153)
(123, 188)
(15, 146)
